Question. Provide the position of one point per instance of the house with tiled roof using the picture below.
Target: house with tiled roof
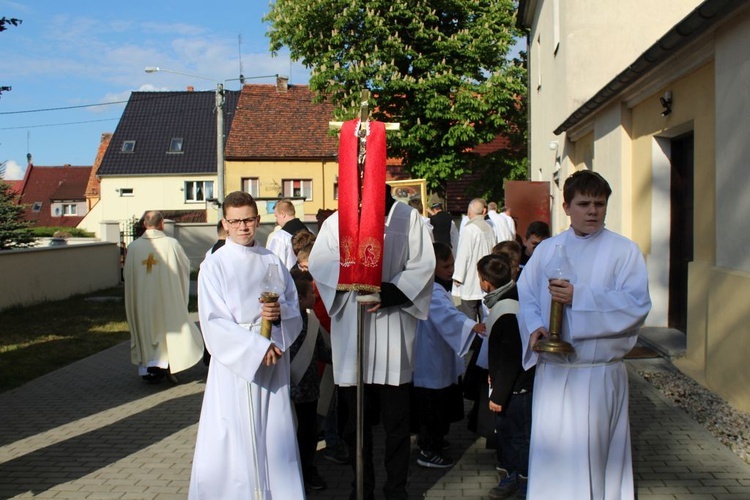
(92, 188)
(162, 156)
(280, 146)
(54, 196)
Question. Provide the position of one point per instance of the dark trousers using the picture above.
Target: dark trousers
(472, 309)
(513, 428)
(307, 434)
(390, 405)
(434, 424)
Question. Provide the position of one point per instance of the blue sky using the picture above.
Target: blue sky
(83, 52)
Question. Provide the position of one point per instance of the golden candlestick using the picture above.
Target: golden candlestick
(558, 269)
(266, 324)
(554, 343)
(271, 289)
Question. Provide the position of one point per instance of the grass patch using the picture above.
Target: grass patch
(38, 339)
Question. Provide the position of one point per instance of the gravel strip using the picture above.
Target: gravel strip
(729, 425)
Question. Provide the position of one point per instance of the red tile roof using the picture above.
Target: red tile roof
(280, 125)
(16, 186)
(92, 188)
(47, 184)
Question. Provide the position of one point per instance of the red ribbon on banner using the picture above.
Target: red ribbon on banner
(361, 232)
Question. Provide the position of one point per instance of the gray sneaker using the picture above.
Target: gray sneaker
(433, 460)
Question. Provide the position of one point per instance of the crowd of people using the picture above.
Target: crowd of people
(457, 316)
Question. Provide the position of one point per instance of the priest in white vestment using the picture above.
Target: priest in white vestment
(164, 340)
(389, 333)
(580, 432)
(280, 242)
(500, 224)
(246, 446)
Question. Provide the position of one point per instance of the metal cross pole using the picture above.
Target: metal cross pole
(361, 305)
(363, 300)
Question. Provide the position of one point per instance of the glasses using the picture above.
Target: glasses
(237, 222)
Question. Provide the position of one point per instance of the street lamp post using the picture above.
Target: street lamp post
(219, 128)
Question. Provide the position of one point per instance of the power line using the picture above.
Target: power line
(58, 124)
(60, 109)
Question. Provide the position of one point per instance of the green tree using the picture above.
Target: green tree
(14, 231)
(4, 21)
(439, 68)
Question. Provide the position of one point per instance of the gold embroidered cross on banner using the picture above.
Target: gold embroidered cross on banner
(149, 263)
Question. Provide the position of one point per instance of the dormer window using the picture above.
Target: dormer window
(175, 145)
(128, 146)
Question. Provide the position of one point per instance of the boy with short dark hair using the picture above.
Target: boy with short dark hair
(512, 250)
(304, 389)
(510, 384)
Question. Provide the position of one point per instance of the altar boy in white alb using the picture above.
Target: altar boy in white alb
(580, 432)
(246, 446)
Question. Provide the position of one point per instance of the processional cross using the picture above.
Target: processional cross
(364, 117)
(370, 173)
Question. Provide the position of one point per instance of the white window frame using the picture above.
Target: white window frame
(305, 186)
(126, 192)
(251, 185)
(69, 209)
(128, 147)
(198, 191)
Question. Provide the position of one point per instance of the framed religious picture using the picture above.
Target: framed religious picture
(410, 189)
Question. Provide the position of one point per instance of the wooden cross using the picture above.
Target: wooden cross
(149, 263)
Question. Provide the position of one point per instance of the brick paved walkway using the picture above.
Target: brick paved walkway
(95, 430)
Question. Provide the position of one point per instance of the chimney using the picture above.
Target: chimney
(190, 88)
(282, 83)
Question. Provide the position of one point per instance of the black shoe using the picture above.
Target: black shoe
(434, 461)
(313, 481)
(337, 454)
(173, 378)
(506, 488)
(152, 379)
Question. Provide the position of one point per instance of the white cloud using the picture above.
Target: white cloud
(14, 171)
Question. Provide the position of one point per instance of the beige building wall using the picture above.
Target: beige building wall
(575, 48)
(725, 340)
(148, 193)
(271, 175)
(628, 140)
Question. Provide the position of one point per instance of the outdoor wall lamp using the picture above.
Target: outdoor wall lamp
(666, 103)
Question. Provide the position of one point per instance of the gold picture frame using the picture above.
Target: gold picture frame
(409, 189)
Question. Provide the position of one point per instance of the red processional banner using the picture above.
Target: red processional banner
(361, 231)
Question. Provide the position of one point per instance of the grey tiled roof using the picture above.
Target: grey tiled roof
(152, 119)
